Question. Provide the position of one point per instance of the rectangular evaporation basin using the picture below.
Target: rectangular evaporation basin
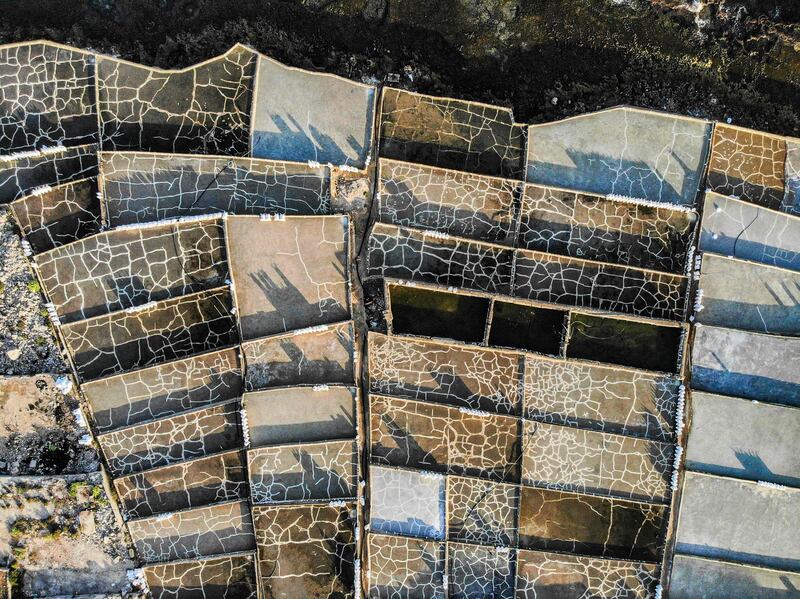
(430, 257)
(744, 439)
(202, 109)
(193, 483)
(430, 313)
(288, 274)
(623, 151)
(413, 434)
(739, 521)
(694, 577)
(60, 216)
(404, 563)
(171, 440)
(546, 575)
(481, 511)
(125, 268)
(455, 202)
(450, 133)
(302, 115)
(745, 295)
(592, 227)
(48, 96)
(748, 365)
(732, 227)
(236, 572)
(460, 375)
(599, 285)
(200, 532)
(571, 459)
(21, 176)
(605, 398)
(590, 525)
(301, 414)
(314, 356)
(306, 550)
(474, 569)
(527, 327)
(625, 342)
(168, 330)
(747, 164)
(140, 187)
(304, 472)
(407, 502)
(164, 390)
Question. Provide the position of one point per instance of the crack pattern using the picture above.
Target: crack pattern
(587, 525)
(170, 440)
(164, 390)
(171, 329)
(403, 568)
(289, 274)
(544, 575)
(319, 356)
(139, 187)
(204, 109)
(227, 577)
(201, 532)
(578, 225)
(559, 457)
(482, 512)
(475, 572)
(454, 202)
(747, 164)
(46, 97)
(193, 483)
(23, 175)
(742, 230)
(449, 133)
(443, 439)
(470, 377)
(603, 398)
(624, 151)
(307, 472)
(452, 262)
(306, 550)
(60, 216)
(579, 283)
(122, 269)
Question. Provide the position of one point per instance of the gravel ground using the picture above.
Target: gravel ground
(41, 428)
(63, 536)
(27, 342)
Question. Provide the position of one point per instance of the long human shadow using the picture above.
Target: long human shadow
(292, 142)
(752, 467)
(411, 452)
(605, 174)
(298, 368)
(291, 308)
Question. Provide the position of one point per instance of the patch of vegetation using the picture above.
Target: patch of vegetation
(15, 581)
(99, 496)
(74, 488)
(49, 529)
(33, 286)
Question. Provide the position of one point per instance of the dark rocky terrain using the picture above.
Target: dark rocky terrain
(720, 59)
